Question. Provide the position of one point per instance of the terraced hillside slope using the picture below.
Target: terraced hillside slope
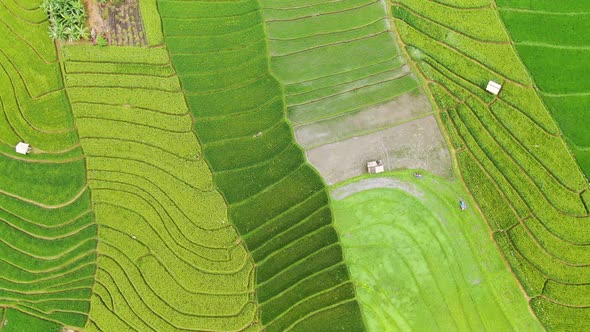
(552, 40)
(510, 151)
(169, 259)
(276, 200)
(48, 244)
(349, 93)
(422, 264)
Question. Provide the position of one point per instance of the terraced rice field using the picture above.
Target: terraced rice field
(168, 257)
(168, 187)
(348, 91)
(277, 201)
(421, 264)
(552, 40)
(48, 244)
(509, 149)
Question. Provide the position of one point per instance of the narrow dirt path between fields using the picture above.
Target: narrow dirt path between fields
(374, 183)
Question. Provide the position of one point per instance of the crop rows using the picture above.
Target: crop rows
(48, 258)
(557, 60)
(334, 58)
(168, 257)
(48, 245)
(34, 106)
(277, 202)
(509, 149)
(349, 91)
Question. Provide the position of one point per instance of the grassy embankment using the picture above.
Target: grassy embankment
(509, 150)
(276, 200)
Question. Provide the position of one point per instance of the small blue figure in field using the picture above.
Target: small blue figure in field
(462, 205)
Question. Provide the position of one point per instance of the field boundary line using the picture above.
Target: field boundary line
(127, 106)
(542, 12)
(358, 108)
(452, 29)
(388, 80)
(45, 206)
(337, 43)
(285, 84)
(348, 9)
(300, 7)
(98, 118)
(159, 189)
(393, 70)
(333, 32)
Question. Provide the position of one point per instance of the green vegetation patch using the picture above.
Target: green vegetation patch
(437, 267)
(17, 321)
(48, 246)
(334, 58)
(45, 183)
(551, 43)
(34, 108)
(67, 19)
(151, 22)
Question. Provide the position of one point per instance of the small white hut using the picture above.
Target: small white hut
(22, 148)
(493, 87)
(375, 167)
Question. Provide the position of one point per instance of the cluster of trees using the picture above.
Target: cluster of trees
(67, 19)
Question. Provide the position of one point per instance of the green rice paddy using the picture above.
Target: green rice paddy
(420, 263)
(49, 235)
(168, 257)
(334, 58)
(557, 61)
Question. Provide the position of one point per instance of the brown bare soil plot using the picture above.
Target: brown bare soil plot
(119, 22)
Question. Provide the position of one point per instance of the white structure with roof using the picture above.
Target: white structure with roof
(23, 148)
(375, 167)
(494, 87)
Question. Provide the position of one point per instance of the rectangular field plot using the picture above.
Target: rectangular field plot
(397, 111)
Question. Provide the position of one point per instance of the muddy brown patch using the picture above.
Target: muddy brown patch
(119, 22)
